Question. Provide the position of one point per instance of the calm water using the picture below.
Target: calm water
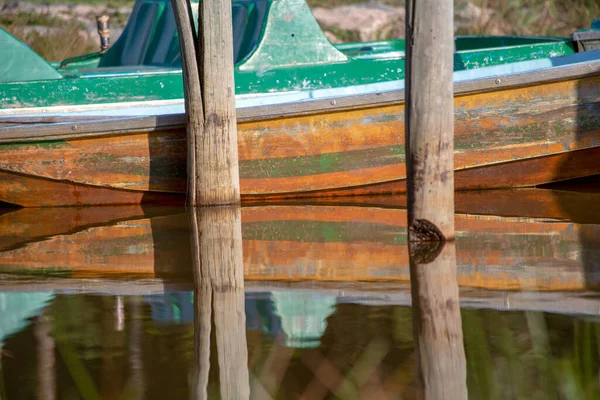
(300, 343)
(102, 302)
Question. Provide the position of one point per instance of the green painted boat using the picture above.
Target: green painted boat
(314, 119)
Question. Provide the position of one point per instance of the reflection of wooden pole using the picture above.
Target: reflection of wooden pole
(207, 62)
(46, 371)
(230, 325)
(437, 326)
(429, 119)
(136, 355)
(110, 376)
(217, 239)
(119, 314)
(2, 390)
(202, 327)
(219, 276)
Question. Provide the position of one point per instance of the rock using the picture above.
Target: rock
(372, 22)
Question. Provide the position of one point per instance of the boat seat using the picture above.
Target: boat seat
(151, 37)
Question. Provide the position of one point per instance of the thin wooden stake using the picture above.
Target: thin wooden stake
(194, 112)
(212, 164)
(430, 119)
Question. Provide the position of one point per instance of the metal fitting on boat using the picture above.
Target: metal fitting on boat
(103, 24)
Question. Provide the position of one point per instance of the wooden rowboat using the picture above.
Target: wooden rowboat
(327, 243)
(313, 119)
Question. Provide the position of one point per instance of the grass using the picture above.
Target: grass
(62, 40)
(24, 18)
(537, 17)
(345, 35)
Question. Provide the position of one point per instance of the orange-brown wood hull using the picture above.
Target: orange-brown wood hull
(507, 138)
(296, 243)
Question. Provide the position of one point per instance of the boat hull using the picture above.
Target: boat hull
(514, 137)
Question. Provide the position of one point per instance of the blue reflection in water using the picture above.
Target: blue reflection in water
(298, 318)
(16, 310)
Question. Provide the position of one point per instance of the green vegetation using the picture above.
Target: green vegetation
(535, 17)
(63, 37)
(345, 35)
(24, 18)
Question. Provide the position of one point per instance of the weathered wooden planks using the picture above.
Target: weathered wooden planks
(32, 191)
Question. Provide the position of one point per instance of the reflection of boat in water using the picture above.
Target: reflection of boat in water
(314, 119)
(16, 309)
(296, 317)
(335, 242)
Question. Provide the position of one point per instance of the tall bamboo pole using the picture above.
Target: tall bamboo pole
(429, 119)
(207, 62)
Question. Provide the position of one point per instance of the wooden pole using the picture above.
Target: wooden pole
(437, 324)
(429, 119)
(207, 63)
(216, 234)
(429, 126)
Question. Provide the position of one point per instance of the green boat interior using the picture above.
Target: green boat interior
(277, 44)
(150, 37)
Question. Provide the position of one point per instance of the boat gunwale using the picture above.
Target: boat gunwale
(98, 126)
